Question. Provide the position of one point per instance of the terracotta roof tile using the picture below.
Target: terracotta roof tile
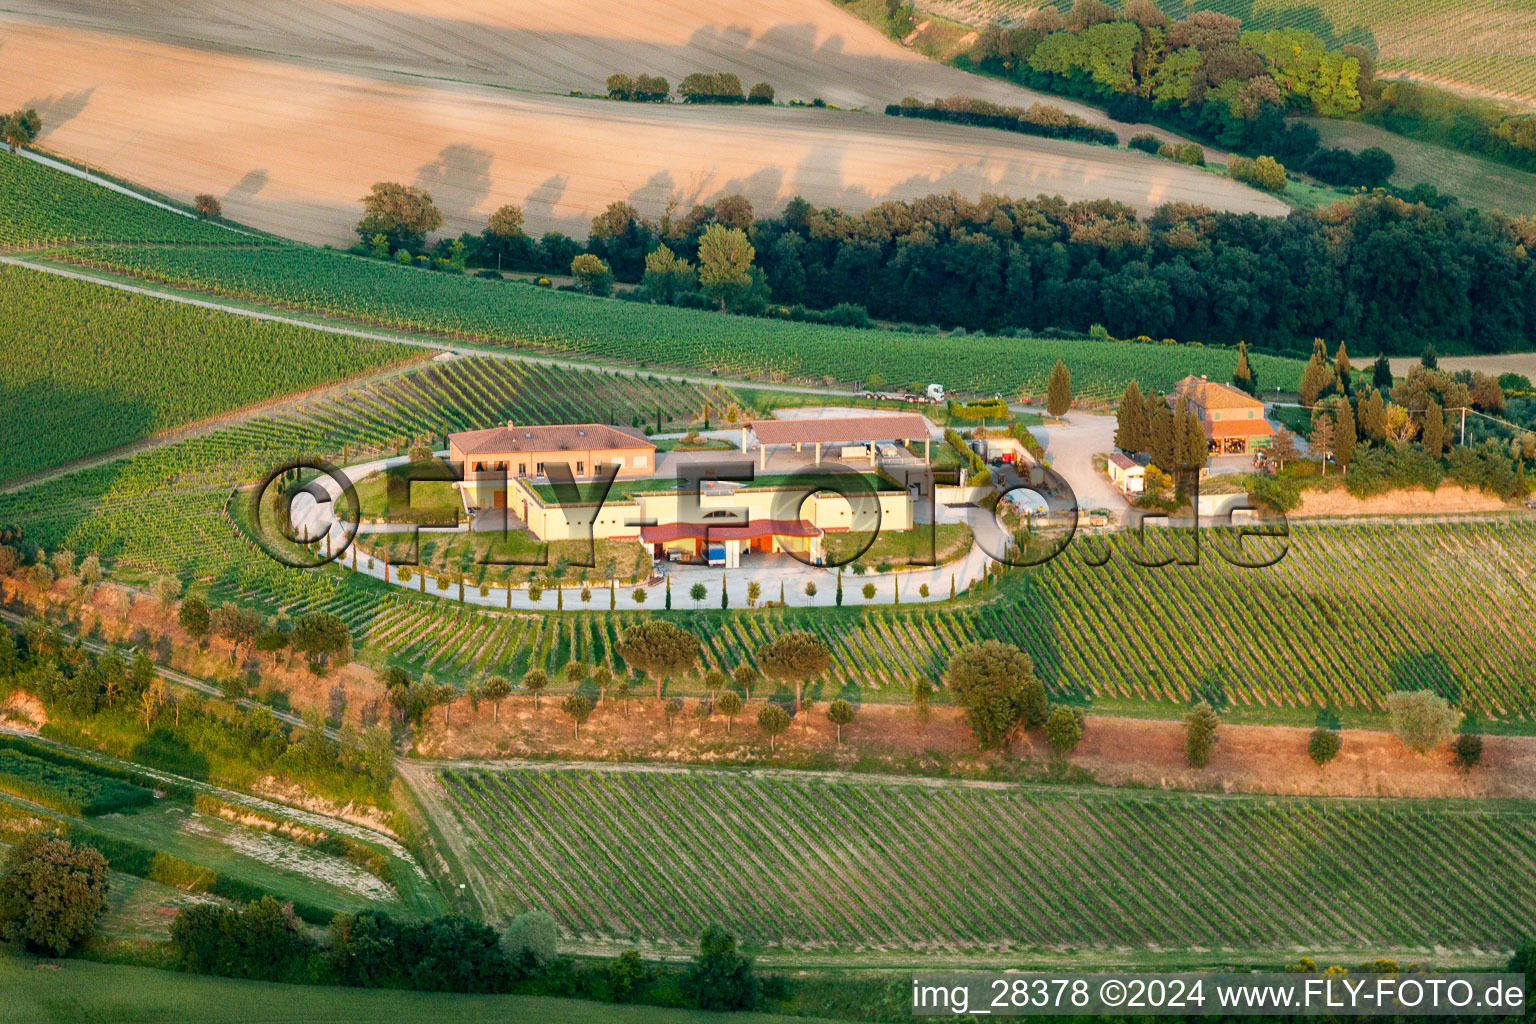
(553, 438)
(1209, 394)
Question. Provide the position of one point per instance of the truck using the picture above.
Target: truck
(933, 394)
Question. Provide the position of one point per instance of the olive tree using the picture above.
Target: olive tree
(1422, 719)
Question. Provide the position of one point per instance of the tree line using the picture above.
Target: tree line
(698, 87)
(1384, 273)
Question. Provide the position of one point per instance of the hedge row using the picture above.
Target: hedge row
(67, 789)
(1008, 122)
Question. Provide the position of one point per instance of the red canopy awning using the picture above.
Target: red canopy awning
(660, 534)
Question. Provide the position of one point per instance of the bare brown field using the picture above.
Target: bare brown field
(1509, 362)
(803, 48)
(291, 148)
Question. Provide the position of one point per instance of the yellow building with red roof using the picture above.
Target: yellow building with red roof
(1233, 420)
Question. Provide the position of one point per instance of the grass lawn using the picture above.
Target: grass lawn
(1298, 421)
(69, 991)
(389, 493)
(950, 541)
(459, 553)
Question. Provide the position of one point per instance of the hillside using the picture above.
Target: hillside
(803, 48)
(1481, 48)
(290, 147)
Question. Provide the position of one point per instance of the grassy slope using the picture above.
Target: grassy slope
(73, 990)
(1475, 180)
(84, 369)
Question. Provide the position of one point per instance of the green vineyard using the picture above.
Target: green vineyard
(41, 205)
(499, 313)
(1331, 624)
(87, 368)
(162, 510)
(1351, 613)
(800, 861)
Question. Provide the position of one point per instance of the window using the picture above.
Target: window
(639, 461)
(538, 470)
(522, 469)
(581, 468)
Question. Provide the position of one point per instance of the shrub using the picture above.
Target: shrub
(1064, 728)
(1422, 719)
(1323, 746)
(762, 92)
(1469, 750)
(530, 940)
(1264, 172)
(996, 683)
(1038, 119)
(1200, 727)
(711, 87)
(1146, 142)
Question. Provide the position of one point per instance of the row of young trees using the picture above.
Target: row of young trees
(999, 264)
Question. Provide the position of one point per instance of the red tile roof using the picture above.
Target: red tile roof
(1237, 428)
(842, 429)
(554, 438)
(729, 531)
(1210, 394)
(1122, 460)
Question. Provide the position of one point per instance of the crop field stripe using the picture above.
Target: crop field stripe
(813, 863)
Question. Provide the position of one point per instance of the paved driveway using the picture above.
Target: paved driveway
(1070, 448)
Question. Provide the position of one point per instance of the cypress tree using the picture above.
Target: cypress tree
(725, 598)
(1197, 450)
(1373, 417)
(1433, 437)
(1344, 436)
(1131, 425)
(1243, 376)
(1058, 397)
(1161, 444)
(1314, 379)
(1342, 370)
(1381, 373)
(1428, 359)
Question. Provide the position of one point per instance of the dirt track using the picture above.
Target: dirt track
(291, 147)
